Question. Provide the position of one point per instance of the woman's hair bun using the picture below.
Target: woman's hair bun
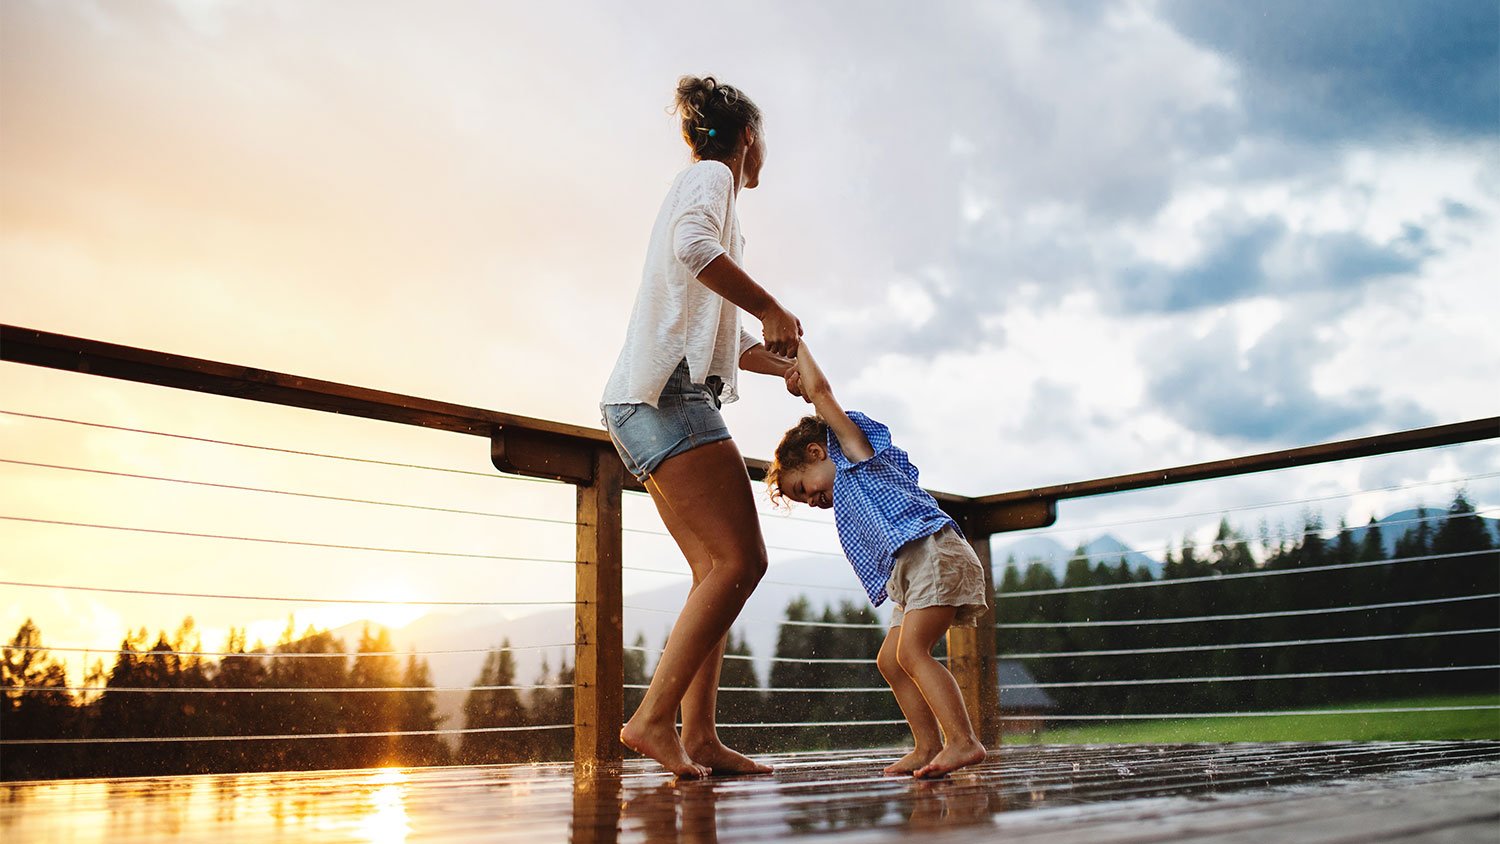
(692, 95)
(713, 116)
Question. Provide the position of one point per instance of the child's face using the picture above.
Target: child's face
(811, 483)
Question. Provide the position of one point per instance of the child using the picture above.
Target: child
(902, 546)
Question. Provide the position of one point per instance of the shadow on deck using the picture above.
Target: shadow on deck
(1326, 792)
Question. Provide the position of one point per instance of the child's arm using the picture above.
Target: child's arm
(816, 389)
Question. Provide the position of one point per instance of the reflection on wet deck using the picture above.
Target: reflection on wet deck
(834, 796)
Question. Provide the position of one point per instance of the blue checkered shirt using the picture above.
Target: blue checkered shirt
(878, 506)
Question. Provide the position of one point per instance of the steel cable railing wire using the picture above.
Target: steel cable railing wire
(280, 655)
(1305, 675)
(1151, 716)
(767, 581)
(735, 689)
(1241, 645)
(216, 690)
(1141, 622)
(786, 659)
(291, 493)
(776, 690)
(1220, 577)
(495, 475)
(227, 597)
(367, 501)
(1168, 716)
(1044, 531)
(280, 737)
(294, 542)
(1438, 515)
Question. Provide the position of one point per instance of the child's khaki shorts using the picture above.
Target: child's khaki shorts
(940, 570)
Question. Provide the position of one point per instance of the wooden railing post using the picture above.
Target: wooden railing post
(971, 653)
(598, 690)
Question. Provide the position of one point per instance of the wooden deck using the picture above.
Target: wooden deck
(1324, 792)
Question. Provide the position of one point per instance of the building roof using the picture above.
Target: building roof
(1012, 673)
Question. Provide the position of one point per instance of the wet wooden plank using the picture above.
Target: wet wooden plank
(1327, 792)
(1342, 814)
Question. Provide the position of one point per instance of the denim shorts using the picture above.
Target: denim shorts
(686, 416)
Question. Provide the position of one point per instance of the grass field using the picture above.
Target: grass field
(1375, 726)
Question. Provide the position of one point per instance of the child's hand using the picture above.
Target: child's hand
(794, 382)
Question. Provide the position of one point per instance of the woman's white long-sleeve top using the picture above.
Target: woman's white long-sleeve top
(675, 315)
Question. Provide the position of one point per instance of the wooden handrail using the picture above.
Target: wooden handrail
(1438, 435)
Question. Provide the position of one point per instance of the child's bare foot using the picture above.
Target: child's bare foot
(954, 756)
(722, 760)
(662, 744)
(911, 762)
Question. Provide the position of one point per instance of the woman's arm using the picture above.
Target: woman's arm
(815, 387)
(780, 327)
(697, 241)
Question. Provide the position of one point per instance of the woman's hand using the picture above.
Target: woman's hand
(781, 330)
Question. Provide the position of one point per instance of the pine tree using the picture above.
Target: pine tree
(33, 715)
(1231, 551)
(549, 707)
(1372, 546)
(493, 707)
(418, 713)
(794, 642)
(736, 707)
(1461, 531)
(1344, 549)
(237, 713)
(308, 712)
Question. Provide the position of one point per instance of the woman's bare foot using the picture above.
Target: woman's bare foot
(952, 757)
(911, 762)
(662, 744)
(722, 760)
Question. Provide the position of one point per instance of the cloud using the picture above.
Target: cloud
(1265, 393)
(1261, 256)
(1351, 69)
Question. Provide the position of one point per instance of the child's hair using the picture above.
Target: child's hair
(791, 452)
(713, 116)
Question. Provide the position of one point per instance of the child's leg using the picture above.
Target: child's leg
(924, 725)
(919, 632)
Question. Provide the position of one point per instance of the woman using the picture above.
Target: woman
(661, 407)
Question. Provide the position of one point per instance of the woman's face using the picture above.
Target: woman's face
(755, 155)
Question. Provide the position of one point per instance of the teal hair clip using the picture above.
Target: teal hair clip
(712, 132)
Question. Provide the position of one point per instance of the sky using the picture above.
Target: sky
(1043, 241)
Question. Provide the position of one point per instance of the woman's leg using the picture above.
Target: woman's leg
(924, 725)
(699, 733)
(708, 490)
(920, 630)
